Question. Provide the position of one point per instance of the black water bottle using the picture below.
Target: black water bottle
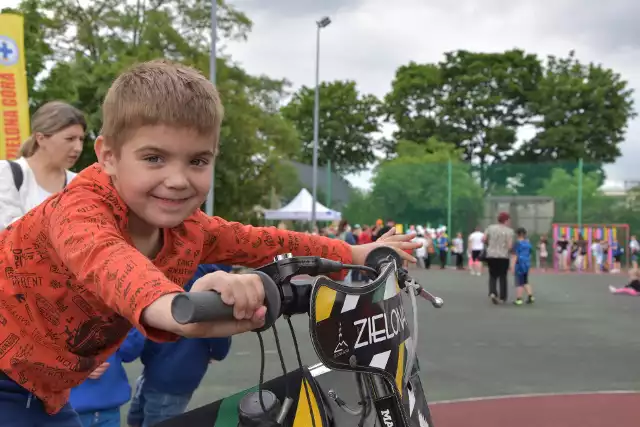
(251, 414)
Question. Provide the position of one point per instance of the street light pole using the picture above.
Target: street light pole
(324, 22)
(212, 77)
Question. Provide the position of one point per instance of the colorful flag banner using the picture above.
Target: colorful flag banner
(14, 100)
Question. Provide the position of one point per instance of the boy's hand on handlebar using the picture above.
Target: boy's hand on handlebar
(400, 242)
(245, 292)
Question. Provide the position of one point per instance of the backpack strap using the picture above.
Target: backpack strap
(18, 175)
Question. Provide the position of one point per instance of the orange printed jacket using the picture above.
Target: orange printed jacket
(72, 284)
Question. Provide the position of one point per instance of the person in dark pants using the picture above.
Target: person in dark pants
(443, 248)
(499, 241)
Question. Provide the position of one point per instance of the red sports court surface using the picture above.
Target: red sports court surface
(607, 409)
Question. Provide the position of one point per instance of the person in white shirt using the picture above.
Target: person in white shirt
(634, 249)
(476, 246)
(458, 250)
(421, 252)
(54, 146)
(598, 255)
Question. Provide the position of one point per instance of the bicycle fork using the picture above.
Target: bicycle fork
(388, 408)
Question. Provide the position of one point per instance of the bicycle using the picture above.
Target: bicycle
(354, 329)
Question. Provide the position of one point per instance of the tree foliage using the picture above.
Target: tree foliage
(563, 187)
(413, 188)
(479, 102)
(348, 124)
(597, 207)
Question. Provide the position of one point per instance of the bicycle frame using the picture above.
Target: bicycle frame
(361, 330)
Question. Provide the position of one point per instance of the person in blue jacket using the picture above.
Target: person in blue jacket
(173, 371)
(98, 400)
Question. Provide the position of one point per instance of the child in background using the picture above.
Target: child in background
(173, 371)
(443, 248)
(596, 253)
(605, 249)
(616, 253)
(633, 288)
(421, 251)
(634, 249)
(575, 255)
(475, 244)
(543, 253)
(458, 250)
(522, 264)
(431, 249)
(98, 400)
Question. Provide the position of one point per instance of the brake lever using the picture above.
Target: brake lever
(414, 286)
(437, 302)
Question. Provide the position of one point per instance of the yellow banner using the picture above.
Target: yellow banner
(14, 100)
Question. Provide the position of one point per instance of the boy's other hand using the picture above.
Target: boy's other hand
(97, 373)
(244, 292)
(400, 242)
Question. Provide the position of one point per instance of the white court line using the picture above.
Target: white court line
(517, 396)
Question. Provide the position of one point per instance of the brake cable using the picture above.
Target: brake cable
(304, 382)
(288, 397)
(412, 287)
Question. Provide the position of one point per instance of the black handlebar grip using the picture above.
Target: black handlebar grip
(195, 307)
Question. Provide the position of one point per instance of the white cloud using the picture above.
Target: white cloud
(369, 39)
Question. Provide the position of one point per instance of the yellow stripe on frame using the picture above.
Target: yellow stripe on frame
(303, 414)
(325, 298)
(400, 370)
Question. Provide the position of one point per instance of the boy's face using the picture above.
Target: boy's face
(163, 174)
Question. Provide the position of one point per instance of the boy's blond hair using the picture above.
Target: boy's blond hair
(161, 92)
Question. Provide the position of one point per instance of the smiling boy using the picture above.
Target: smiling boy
(113, 249)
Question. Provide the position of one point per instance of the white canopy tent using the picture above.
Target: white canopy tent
(300, 209)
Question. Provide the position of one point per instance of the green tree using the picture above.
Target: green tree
(358, 210)
(563, 187)
(90, 44)
(477, 101)
(413, 187)
(578, 111)
(348, 123)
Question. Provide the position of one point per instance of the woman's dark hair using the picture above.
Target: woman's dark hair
(343, 225)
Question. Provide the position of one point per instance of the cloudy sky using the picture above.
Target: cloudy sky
(369, 39)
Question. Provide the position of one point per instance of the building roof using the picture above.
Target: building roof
(340, 188)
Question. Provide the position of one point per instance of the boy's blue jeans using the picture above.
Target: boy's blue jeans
(106, 418)
(19, 408)
(150, 407)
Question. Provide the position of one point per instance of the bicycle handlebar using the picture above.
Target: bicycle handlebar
(195, 307)
(280, 295)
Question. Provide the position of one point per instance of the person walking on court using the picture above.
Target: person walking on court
(522, 263)
(476, 246)
(499, 241)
